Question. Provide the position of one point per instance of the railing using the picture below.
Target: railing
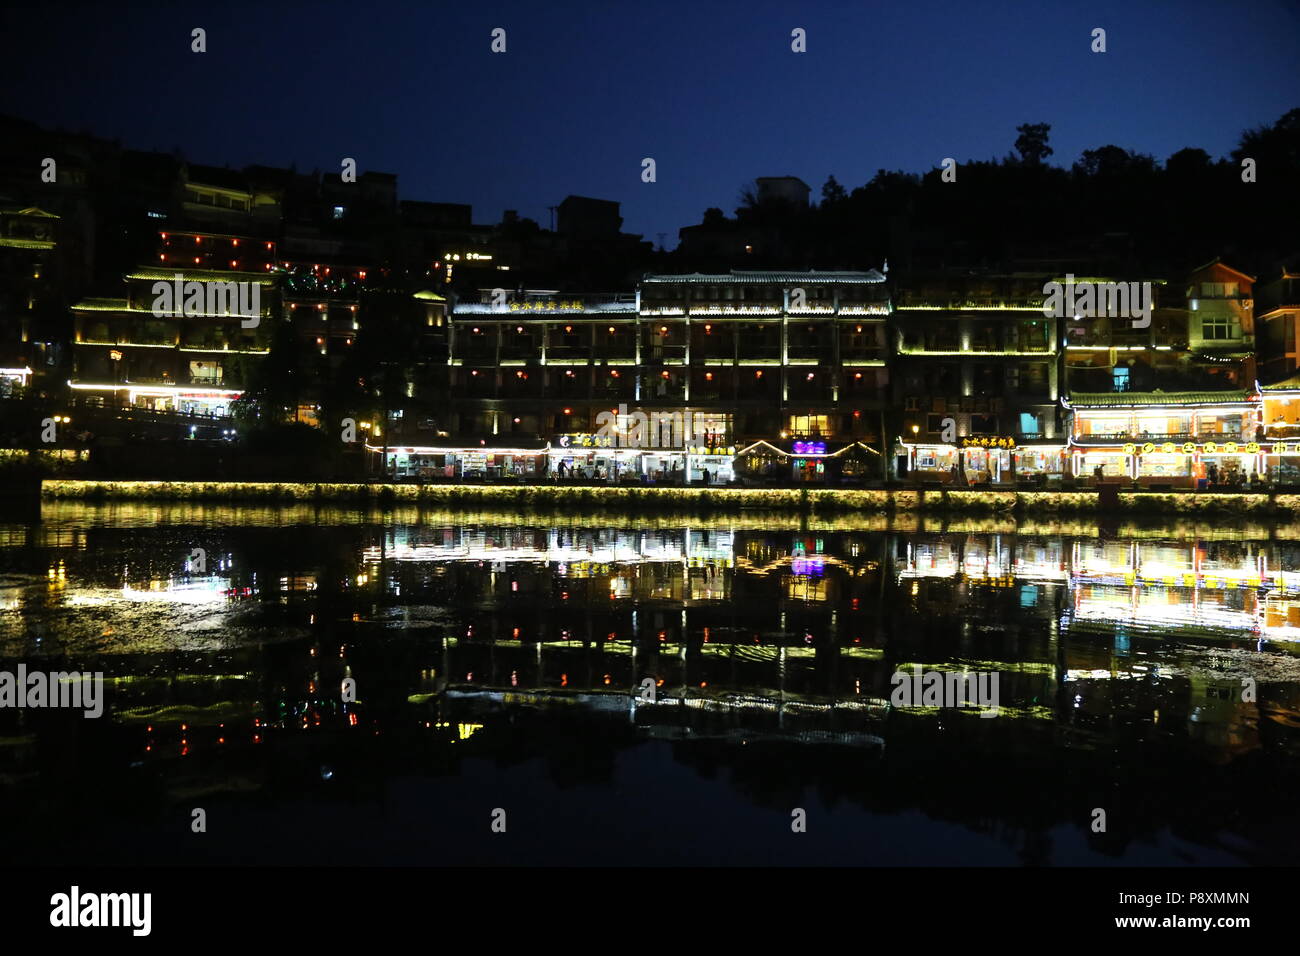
(1164, 437)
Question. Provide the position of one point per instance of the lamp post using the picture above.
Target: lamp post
(115, 356)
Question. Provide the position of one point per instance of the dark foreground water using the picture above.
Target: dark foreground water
(1148, 672)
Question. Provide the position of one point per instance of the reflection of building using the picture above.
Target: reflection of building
(1216, 588)
(601, 548)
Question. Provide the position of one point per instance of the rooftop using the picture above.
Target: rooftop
(1129, 399)
(202, 275)
(1286, 385)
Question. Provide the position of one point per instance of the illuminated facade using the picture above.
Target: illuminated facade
(1172, 440)
(1221, 322)
(1169, 399)
(700, 366)
(130, 352)
(976, 380)
(27, 243)
(322, 303)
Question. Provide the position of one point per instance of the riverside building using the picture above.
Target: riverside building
(692, 378)
(976, 381)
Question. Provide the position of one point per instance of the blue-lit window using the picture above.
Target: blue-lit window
(1121, 379)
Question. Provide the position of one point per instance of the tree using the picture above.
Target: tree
(713, 216)
(273, 383)
(833, 192)
(748, 199)
(1031, 144)
(1276, 146)
(1188, 161)
(1112, 161)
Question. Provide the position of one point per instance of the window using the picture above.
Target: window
(1029, 424)
(205, 372)
(339, 211)
(1120, 378)
(1218, 290)
(810, 425)
(1217, 328)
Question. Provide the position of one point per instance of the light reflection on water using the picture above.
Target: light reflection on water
(1122, 654)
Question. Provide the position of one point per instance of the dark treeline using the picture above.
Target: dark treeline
(1112, 211)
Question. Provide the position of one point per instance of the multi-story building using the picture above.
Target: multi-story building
(321, 303)
(188, 353)
(1121, 353)
(976, 379)
(1280, 429)
(787, 368)
(1221, 324)
(1165, 439)
(1168, 399)
(27, 291)
(1277, 312)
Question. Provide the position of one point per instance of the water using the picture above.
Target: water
(498, 660)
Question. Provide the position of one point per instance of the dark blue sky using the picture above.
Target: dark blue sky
(711, 91)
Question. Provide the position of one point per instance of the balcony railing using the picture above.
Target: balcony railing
(1163, 437)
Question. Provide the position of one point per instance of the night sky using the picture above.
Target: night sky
(711, 91)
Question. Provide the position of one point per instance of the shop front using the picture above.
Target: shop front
(1282, 463)
(803, 462)
(1093, 464)
(662, 466)
(1232, 464)
(1039, 463)
(611, 465)
(1171, 464)
(986, 466)
(931, 464)
(710, 465)
(590, 457)
(1281, 432)
(482, 463)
